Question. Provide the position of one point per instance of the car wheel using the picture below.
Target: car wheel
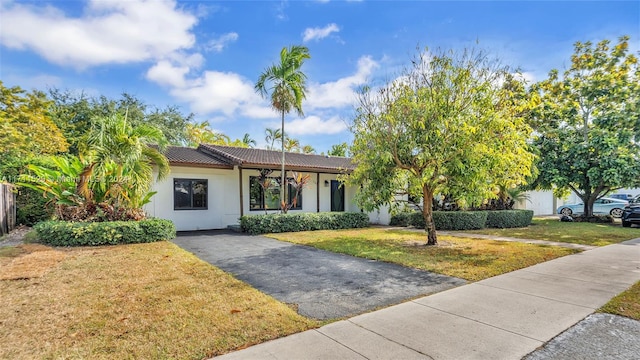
(626, 223)
(616, 212)
(566, 211)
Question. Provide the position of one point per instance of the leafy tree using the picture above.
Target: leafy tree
(74, 112)
(248, 141)
(444, 126)
(287, 85)
(588, 123)
(308, 149)
(271, 136)
(292, 145)
(339, 150)
(25, 126)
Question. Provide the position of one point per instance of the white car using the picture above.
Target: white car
(611, 206)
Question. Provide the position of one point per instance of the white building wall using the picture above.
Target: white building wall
(224, 198)
(223, 205)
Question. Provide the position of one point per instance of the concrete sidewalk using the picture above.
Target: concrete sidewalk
(504, 317)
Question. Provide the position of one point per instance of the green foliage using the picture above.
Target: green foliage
(598, 219)
(443, 127)
(74, 114)
(503, 219)
(276, 223)
(466, 220)
(588, 123)
(452, 220)
(26, 128)
(288, 85)
(341, 149)
(65, 233)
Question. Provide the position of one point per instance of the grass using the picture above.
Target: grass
(149, 301)
(470, 259)
(569, 232)
(625, 304)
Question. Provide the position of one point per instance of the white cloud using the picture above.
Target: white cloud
(107, 32)
(319, 33)
(341, 93)
(314, 125)
(219, 43)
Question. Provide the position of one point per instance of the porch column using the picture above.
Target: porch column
(318, 192)
(241, 197)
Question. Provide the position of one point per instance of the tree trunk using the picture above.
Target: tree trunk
(283, 185)
(427, 213)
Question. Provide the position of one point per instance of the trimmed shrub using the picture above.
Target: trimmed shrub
(401, 219)
(452, 220)
(66, 233)
(276, 223)
(508, 218)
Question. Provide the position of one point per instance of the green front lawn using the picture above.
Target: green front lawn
(569, 232)
(470, 259)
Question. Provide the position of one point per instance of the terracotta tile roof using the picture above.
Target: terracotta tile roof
(257, 158)
(185, 156)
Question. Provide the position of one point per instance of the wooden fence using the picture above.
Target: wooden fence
(7, 208)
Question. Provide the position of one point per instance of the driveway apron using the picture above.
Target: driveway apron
(321, 284)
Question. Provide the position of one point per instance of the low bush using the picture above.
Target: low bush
(452, 220)
(401, 219)
(66, 233)
(277, 223)
(466, 220)
(503, 219)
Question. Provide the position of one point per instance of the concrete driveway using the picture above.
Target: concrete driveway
(322, 284)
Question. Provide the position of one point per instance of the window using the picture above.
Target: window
(266, 196)
(189, 194)
(337, 196)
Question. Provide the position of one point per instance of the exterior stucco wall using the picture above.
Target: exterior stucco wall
(223, 198)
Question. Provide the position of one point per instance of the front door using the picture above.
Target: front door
(337, 196)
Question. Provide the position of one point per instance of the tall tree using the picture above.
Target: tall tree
(292, 145)
(338, 150)
(287, 84)
(73, 113)
(248, 141)
(26, 128)
(271, 136)
(588, 123)
(444, 126)
(308, 149)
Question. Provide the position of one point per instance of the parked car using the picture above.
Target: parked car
(635, 200)
(627, 197)
(631, 215)
(605, 205)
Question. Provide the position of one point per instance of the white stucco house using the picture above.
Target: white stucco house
(212, 186)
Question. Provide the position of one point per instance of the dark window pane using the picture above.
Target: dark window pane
(189, 194)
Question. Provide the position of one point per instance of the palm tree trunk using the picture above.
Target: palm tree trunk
(283, 187)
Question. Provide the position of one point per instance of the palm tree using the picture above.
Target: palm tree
(308, 149)
(201, 133)
(292, 145)
(247, 140)
(115, 149)
(271, 136)
(287, 84)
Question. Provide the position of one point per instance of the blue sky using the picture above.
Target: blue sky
(205, 56)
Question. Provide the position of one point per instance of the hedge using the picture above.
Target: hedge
(466, 220)
(67, 233)
(452, 220)
(276, 223)
(508, 218)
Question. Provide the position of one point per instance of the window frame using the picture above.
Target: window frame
(290, 191)
(191, 194)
